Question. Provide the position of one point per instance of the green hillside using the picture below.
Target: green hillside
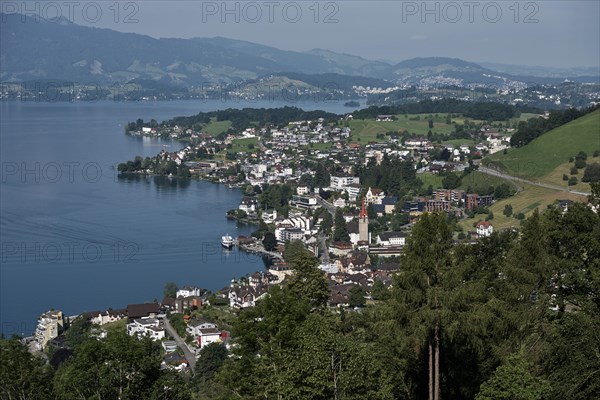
(547, 152)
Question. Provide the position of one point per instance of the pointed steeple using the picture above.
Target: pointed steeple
(363, 211)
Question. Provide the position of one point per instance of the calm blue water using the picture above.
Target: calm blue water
(76, 238)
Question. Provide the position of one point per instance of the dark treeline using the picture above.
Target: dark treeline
(534, 127)
(394, 176)
(258, 117)
(514, 316)
(244, 118)
(487, 111)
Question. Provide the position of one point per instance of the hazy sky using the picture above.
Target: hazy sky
(548, 33)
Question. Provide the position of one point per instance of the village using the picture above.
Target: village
(356, 230)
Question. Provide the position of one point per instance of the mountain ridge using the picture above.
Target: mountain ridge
(73, 52)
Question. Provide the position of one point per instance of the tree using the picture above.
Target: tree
(591, 173)
(170, 289)
(340, 231)
(430, 124)
(574, 170)
(502, 191)
(293, 250)
(520, 216)
(399, 219)
(357, 297)
(513, 381)
(327, 223)
(418, 290)
(23, 376)
(270, 241)
(508, 210)
(120, 366)
(210, 361)
(308, 281)
(490, 216)
(322, 177)
(379, 291)
(565, 177)
(451, 181)
(580, 163)
(572, 181)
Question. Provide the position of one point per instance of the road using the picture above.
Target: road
(328, 206)
(325, 251)
(493, 172)
(189, 356)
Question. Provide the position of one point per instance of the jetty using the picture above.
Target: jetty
(257, 248)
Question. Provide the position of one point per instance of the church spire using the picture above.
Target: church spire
(363, 211)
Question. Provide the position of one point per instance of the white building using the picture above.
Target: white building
(353, 191)
(484, 229)
(50, 325)
(188, 291)
(207, 336)
(269, 216)
(288, 234)
(339, 203)
(150, 327)
(394, 238)
(249, 205)
(108, 316)
(196, 325)
(341, 182)
(302, 190)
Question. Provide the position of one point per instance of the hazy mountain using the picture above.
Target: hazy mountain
(34, 50)
(443, 69)
(543, 72)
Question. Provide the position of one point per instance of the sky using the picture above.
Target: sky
(539, 33)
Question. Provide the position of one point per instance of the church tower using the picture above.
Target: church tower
(363, 224)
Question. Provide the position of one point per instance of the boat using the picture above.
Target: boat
(227, 241)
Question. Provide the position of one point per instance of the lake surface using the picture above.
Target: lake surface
(75, 238)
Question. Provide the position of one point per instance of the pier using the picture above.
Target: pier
(256, 248)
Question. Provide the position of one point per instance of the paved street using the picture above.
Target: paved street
(189, 356)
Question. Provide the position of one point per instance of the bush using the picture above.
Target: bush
(520, 216)
(579, 163)
(572, 181)
(591, 173)
(574, 170)
(596, 153)
(565, 177)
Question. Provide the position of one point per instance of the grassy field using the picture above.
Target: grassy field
(115, 326)
(215, 127)
(458, 142)
(527, 201)
(430, 179)
(546, 153)
(479, 181)
(321, 146)
(245, 145)
(367, 129)
(555, 177)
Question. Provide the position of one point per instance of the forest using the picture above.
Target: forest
(513, 316)
(486, 111)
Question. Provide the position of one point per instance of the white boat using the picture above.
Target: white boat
(227, 241)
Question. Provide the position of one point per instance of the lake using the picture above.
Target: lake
(75, 238)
